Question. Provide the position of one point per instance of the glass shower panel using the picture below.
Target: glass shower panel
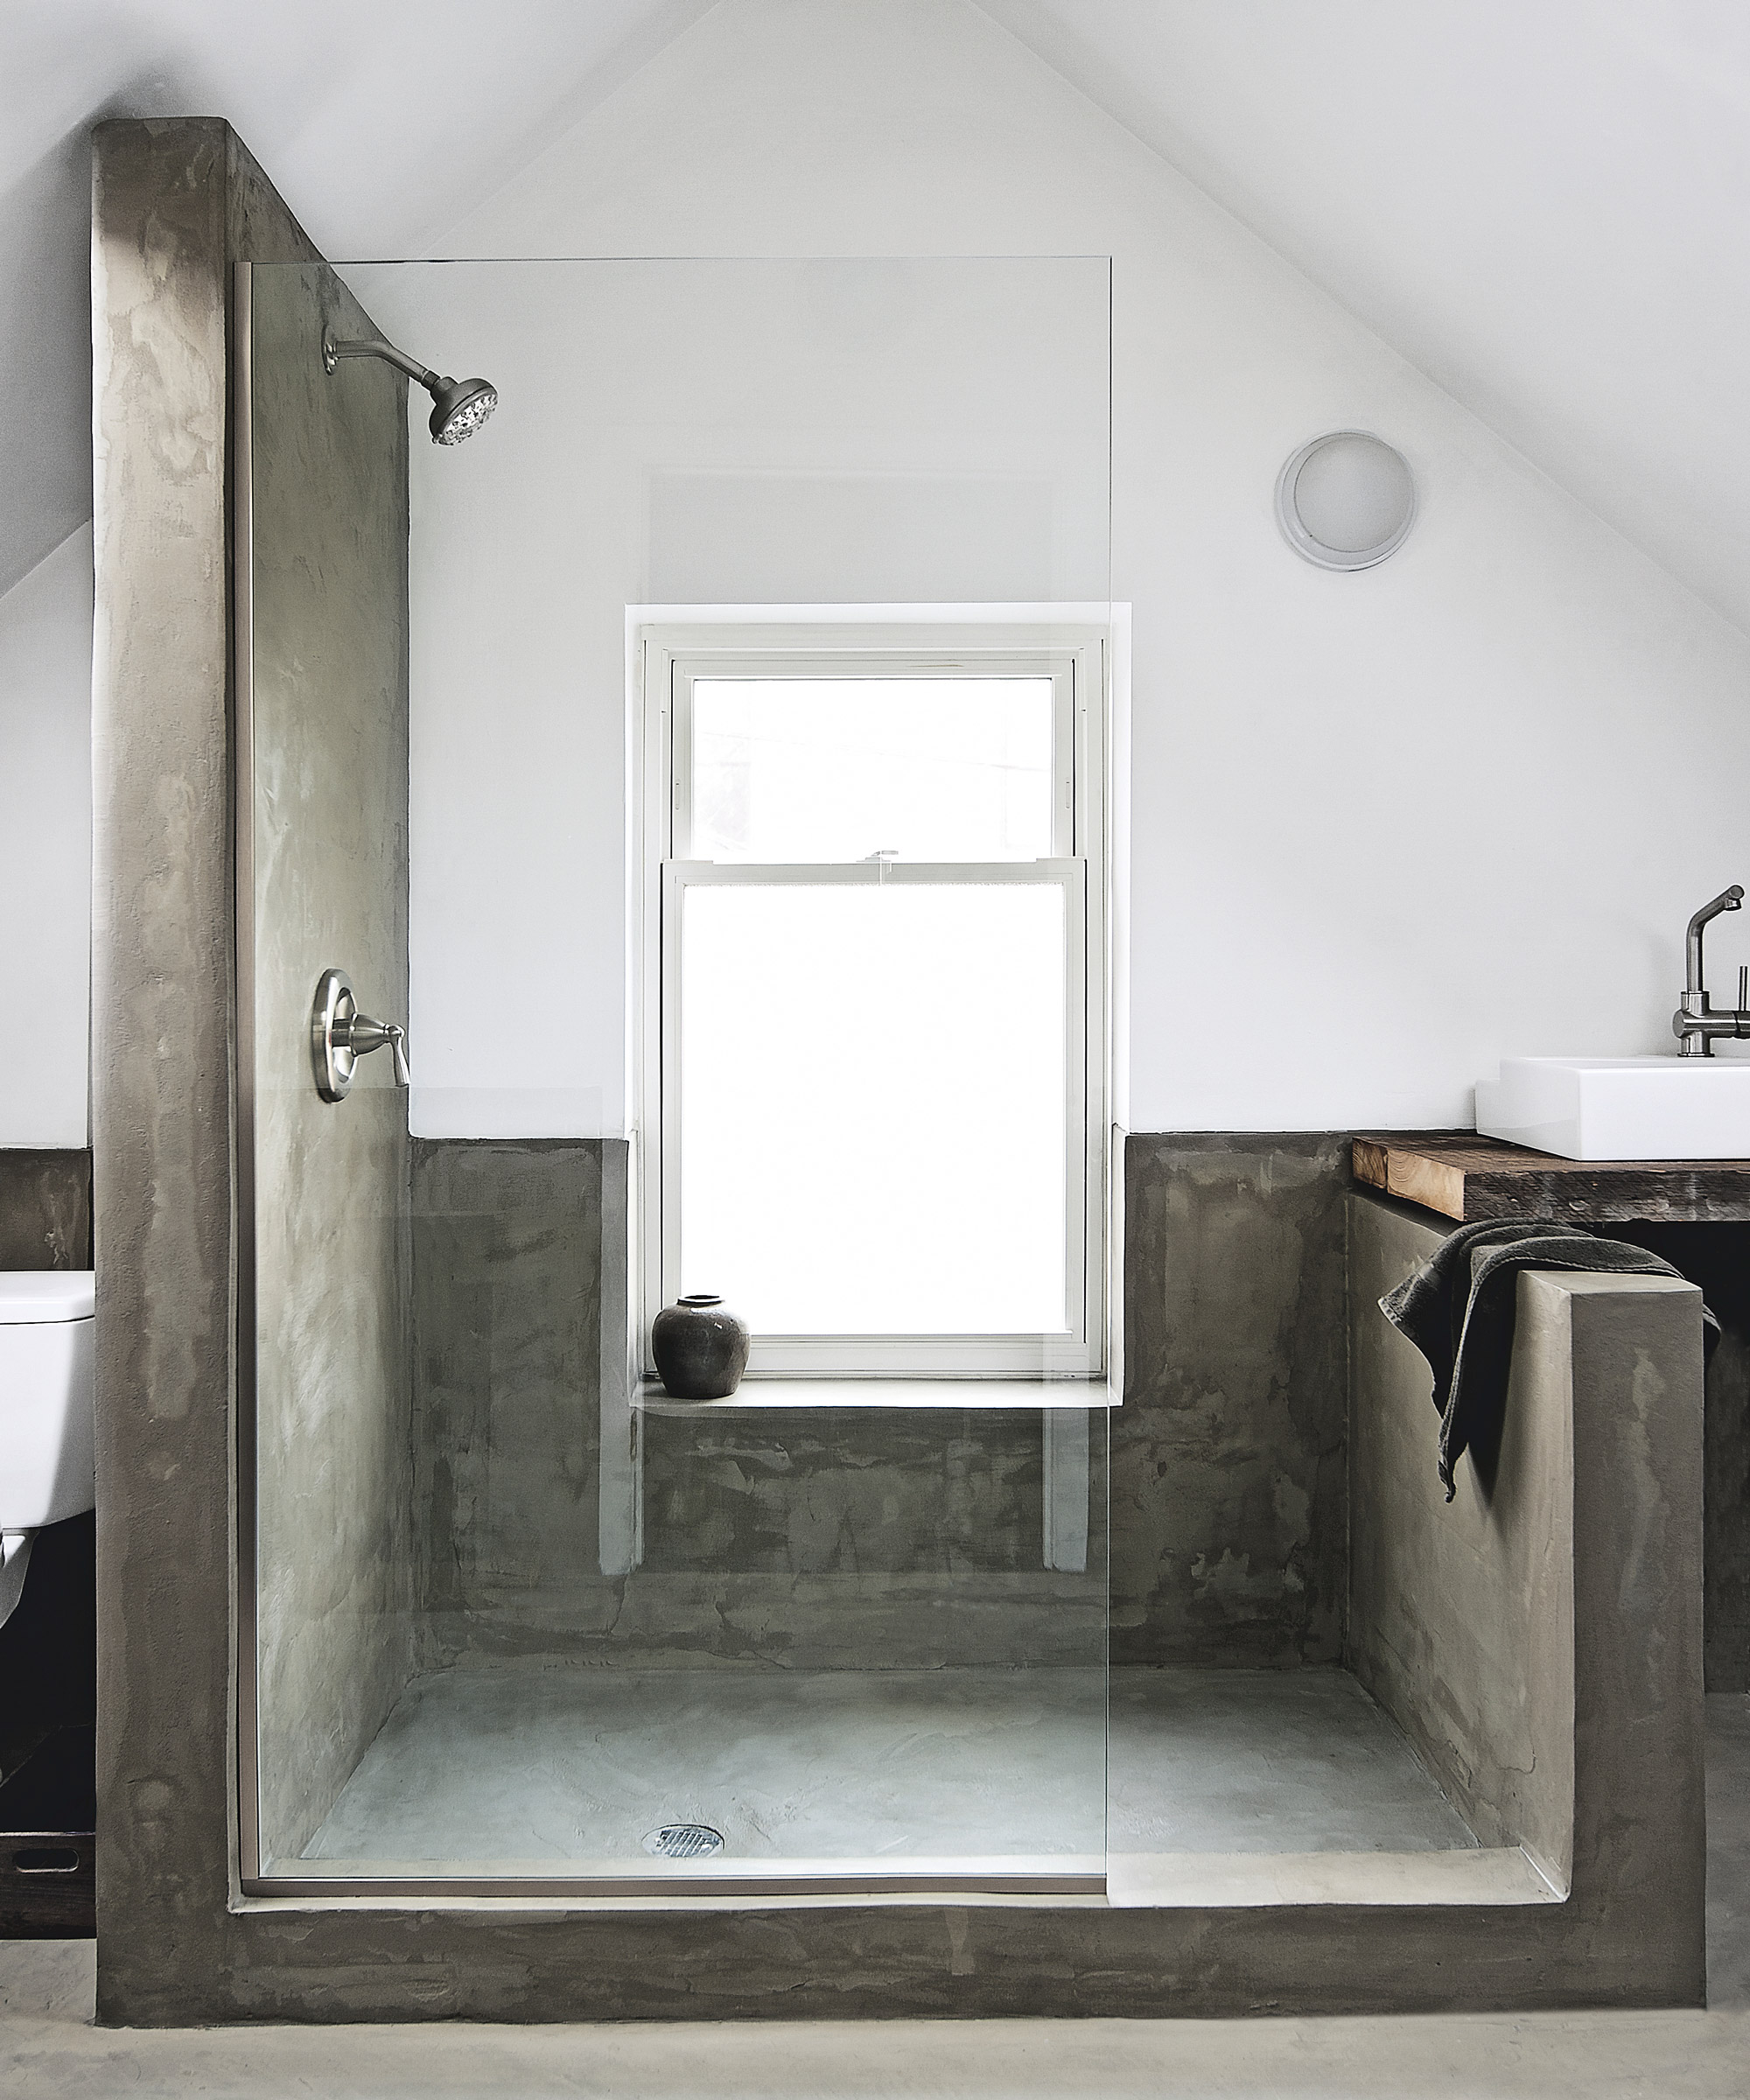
(514, 1618)
(322, 840)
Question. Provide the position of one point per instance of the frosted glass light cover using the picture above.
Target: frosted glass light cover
(955, 769)
(1345, 501)
(874, 1134)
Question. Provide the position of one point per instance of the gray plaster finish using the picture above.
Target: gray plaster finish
(49, 2050)
(1267, 1760)
(334, 1534)
(1632, 1349)
(542, 1766)
(530, 1763)
(45, 1209)
(924, 1618)
(1461, 1615)
(863, 1537)
(1629, 1934)
(507, 1296)
(1594, 1521)
(856, 1490)
(1227, 1472)
(1226, 1517)
(1728, 1849)
(174, 202)
(815, 1539)
(1716, 1258)
(1226, 1508)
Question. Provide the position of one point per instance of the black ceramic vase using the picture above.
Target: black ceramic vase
(701, 1349)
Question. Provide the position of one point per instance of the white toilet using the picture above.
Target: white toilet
(46, 1468)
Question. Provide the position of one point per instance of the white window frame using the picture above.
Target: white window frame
(669, 659)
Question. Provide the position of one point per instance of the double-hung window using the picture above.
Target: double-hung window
(873, 1004)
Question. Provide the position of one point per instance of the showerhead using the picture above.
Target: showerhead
(460, 406)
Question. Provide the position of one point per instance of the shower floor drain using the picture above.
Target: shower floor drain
(683, 1841)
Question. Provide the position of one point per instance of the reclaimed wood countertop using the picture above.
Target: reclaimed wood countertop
(1464, 1176)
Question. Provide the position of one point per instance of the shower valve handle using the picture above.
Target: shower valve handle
(340, 1035)
(366, 1035)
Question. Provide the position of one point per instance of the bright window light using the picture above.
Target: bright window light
(956, 768)
(872, 1116)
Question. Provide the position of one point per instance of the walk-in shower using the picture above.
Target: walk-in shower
(722, 784)
(720, 774)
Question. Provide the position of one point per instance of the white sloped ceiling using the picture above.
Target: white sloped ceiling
(1543, 203)
(379, 123)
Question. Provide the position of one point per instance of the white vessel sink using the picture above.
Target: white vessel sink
(1621, 1107)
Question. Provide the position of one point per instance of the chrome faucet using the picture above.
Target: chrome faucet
(1695, 1024)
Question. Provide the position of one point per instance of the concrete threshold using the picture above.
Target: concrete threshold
(1229, 1881)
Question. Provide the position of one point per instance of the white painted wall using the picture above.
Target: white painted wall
(682, 432)
(46, 847)
(1385, 827)
(1542, 203)
(1458, 806)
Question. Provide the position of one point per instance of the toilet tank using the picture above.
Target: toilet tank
(46, 1469)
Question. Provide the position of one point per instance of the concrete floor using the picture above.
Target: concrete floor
(1266, 1760)
(49, 2050)
(534, 1769)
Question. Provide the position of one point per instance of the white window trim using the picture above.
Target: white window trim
(841, 641)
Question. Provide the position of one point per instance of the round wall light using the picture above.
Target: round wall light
(1345, 501)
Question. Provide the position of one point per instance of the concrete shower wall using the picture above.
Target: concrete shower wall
(333, 1247)
(508, 1294)
(774, 1539)
(1231, 1506)
(1227, 1480)
(866, 1538)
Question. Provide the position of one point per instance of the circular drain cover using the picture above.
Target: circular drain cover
(683, 1841)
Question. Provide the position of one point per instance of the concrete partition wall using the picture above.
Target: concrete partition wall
(1461, 1615)
(1538, 1638)
(177, 204)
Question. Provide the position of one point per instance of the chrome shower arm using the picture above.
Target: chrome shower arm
(459, 406)
(333, 352)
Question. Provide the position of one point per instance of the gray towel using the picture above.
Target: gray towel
(1458, 1310)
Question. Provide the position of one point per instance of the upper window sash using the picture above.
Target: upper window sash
(1060, 665)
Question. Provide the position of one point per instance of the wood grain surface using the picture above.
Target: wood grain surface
(1474, 1178)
